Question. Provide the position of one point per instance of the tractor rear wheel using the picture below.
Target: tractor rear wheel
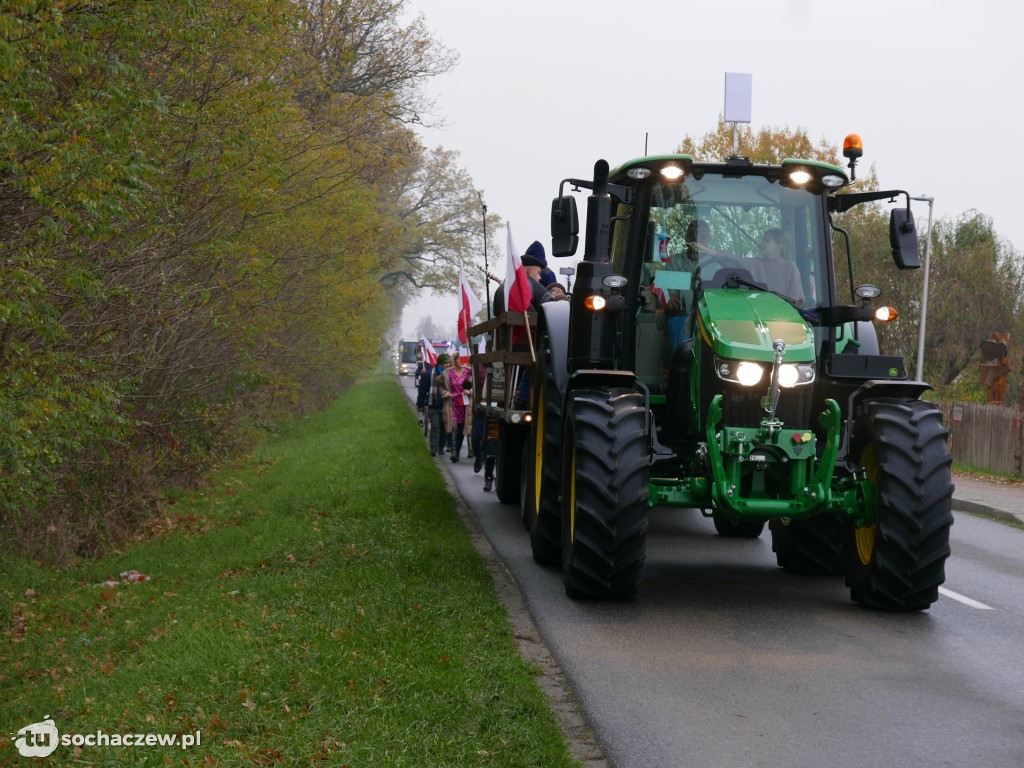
(815, 546)
(604, 498)
(542, 512)
(510, 458)
(898, 562)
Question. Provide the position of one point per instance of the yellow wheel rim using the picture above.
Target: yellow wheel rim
(865, 537)
(865, 543)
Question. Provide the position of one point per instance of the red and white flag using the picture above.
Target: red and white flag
(518, 293)
(469, 305)
(429, 355)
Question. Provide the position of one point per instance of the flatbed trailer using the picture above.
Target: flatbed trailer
(497, 373)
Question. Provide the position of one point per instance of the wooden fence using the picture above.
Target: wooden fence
(985, 436)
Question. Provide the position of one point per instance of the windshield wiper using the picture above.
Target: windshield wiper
(735, 281)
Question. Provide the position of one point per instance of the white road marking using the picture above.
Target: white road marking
(965, 600)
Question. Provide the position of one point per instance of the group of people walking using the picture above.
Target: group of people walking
(445, 391)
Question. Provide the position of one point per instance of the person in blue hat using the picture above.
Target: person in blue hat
(536, 253)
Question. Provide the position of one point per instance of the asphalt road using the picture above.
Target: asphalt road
(725, 660)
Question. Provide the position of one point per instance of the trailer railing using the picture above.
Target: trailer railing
(494, 388)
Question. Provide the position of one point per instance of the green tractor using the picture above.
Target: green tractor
(706, 361)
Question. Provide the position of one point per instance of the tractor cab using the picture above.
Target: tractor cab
(750, 248)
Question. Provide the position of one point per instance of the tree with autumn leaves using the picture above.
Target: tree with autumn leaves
(976, 278)
(210, 213)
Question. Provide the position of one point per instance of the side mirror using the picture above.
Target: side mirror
(565, 226)
(903, 239)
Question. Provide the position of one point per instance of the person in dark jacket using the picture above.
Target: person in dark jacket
(431, 382)
(421, 394)
(423, 370)
(540, 294)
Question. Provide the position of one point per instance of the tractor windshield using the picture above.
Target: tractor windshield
(708, 227)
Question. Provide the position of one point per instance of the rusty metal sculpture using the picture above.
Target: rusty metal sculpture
(992, 373)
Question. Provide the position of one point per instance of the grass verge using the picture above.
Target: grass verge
(986, 475)
(319, 605)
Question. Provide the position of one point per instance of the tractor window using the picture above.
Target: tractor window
(767, 232)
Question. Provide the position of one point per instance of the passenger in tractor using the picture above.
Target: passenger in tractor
(677, 302)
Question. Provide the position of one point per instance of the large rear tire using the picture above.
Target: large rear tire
(898, 563)
(816, 546)
(604, 498)
(510, 460)
(542, 510)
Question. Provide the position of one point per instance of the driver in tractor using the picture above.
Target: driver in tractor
(776, 269)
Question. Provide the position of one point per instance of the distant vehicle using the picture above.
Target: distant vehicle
(410, 352)
(408, 355)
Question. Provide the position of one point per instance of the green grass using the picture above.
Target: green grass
(320, 605)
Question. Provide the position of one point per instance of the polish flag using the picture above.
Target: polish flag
(660, 295)
(429, 355)
(469, 305)
(518, 293)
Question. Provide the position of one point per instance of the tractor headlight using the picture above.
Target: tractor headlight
(741, 372)
(595, 302)
(792, 375)
(787, 375)
(748, 373)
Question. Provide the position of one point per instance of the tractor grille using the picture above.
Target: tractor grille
(741, 406)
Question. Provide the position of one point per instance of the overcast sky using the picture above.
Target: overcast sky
(544, 88)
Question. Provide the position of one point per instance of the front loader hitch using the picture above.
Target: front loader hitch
(767, 472)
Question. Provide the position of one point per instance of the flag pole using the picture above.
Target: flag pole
(487, 271)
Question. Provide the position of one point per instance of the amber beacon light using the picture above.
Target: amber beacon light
(852, 151)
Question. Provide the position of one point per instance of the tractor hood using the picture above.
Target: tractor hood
(741, 324)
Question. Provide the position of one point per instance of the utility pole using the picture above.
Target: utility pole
(919, 374)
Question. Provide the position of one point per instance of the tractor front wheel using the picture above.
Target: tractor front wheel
(604, 494)
(815, 546)
(898, 562)
(737, 529)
